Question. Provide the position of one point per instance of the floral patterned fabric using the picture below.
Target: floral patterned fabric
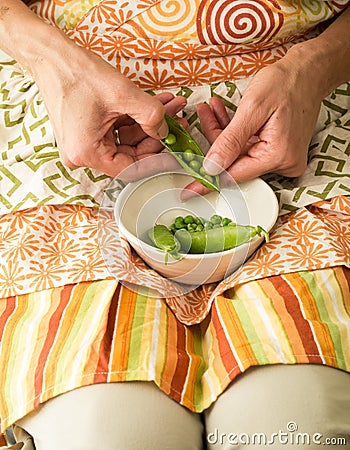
(52, 246)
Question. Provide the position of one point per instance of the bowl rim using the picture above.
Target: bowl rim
(134, 185)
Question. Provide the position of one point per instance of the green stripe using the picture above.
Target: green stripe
(198, 337)
(324, 316)
(70, 339)
(281, 323)
(249, 330)
(165, 331)
(134, 357)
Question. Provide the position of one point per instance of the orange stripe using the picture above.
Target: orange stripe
(322, 331)
(3, 440)
(171, 360)
(272, 287)
(60, 297)
(217, 368)
(63, 326)
(119, 357)
(7, 306)
(236, 332)
(182, 363)
(225, 352)
(343, 276)
(310, 310)
(8, 337)
(104, 353)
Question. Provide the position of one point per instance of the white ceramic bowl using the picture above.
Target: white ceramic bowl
(157, 200)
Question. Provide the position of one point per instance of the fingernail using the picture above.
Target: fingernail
(186, 194)
(213, 165)
(163, 130)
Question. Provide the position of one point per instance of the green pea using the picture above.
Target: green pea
(179, 222)
(209, 178)
(215, 219)
(189, 219)
(202, 172)
(170, 139)
(226, 221)
(195, 165)
(188, 155)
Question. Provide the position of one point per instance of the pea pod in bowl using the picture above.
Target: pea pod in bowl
(218, 239)
(187, 152)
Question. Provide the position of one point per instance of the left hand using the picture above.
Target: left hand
(271, 129)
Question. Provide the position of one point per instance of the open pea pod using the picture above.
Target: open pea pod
(181, 144)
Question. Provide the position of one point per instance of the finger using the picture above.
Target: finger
(175, 105)
(193, 189)
(255, 163)
(209, 124)
(148, 111)
(218, 108)
(134, 134)
(148, 165)
(233, 139)
(165, 97)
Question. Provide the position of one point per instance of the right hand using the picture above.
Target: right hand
(86, 99)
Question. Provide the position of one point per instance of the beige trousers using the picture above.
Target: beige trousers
(282, 407)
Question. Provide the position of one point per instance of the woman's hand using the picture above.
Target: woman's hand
(276, 117)
(101, 119)
(86, 98)
(270, 131)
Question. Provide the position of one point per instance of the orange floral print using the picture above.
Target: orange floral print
(153, 49)
(12, 277)
(156, 79)
(114, 46)
(228, 69)
(192, 73)
(302, 232)
(89, 41)
(265, 265)
(23, 249)
(310, 256)
(257, 60)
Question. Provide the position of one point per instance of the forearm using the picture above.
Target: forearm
(327, 57)
(27, 38)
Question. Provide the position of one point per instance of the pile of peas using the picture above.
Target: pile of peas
(193, 224)
(191, 158)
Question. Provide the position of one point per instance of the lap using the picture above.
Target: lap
(265, 400)
(280, 404)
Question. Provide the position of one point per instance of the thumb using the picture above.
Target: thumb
(149, 113)
(231, 142)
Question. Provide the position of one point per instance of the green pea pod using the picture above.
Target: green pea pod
(184, 142)
(164, 239)
(219, 239)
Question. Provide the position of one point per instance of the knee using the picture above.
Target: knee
(116, 416)
(282, 406)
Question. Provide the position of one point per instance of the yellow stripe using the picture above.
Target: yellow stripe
(309, 307)
(334, 300)
(271, 333)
